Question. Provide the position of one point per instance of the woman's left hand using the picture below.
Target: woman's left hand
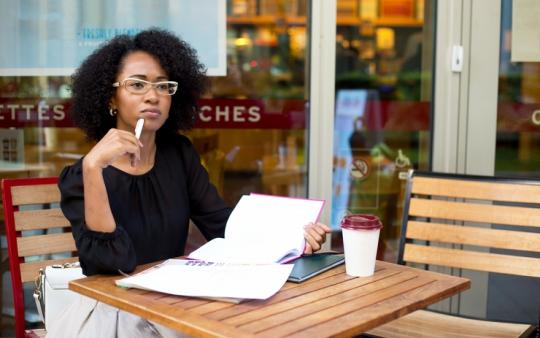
(315, 235)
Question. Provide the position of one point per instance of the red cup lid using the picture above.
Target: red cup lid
(361, 222)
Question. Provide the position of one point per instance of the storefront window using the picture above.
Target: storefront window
(252, 126)
(38, 139)
(384, 67)
(251, 131)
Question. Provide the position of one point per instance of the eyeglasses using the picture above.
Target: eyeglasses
(140, 87)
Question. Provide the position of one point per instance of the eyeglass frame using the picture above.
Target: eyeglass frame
(153, 85)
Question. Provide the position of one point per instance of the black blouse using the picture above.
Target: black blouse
(151, 210)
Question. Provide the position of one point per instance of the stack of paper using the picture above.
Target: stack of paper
(211, 280)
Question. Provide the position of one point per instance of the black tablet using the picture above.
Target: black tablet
(308, 266)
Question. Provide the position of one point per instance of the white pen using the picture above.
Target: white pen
(138, 131)
(138, 128)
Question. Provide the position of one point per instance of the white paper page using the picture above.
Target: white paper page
(197, 279)
(262, 229)
(279, 220)
(221, 250)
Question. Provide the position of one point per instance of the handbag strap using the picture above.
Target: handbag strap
(39, 294)
(39, 289)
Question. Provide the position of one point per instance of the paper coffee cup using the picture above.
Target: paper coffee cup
(360, 240)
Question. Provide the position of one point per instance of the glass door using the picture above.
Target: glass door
(384, 76)
(252, 129)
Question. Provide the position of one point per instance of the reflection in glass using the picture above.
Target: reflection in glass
(257, 112)
(383, 94)
(518, 115)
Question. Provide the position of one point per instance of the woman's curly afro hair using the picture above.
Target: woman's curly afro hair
(92, 82)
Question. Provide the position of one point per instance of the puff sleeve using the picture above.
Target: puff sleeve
(98, 252)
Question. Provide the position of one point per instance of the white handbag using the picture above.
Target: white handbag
(51, 294)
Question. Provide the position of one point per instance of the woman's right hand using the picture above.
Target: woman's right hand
(114, 144)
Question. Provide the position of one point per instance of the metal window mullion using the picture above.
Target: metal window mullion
(321, 101)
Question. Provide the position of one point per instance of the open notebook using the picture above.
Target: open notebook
(263, 229)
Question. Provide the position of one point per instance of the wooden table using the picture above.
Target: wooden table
(331, 304)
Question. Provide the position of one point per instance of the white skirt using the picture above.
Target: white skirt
(88, 318)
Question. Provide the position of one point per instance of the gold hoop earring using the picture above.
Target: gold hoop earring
(113, 112)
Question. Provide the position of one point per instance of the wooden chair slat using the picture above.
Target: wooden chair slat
(45, 244)
(40, 219)
(481, 261)
(423, 323)
(486, 237)
(29, 271)
(518, 193)
(35, 194)
(484, 213)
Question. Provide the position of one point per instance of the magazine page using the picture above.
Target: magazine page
(263, 229)
(214, 280)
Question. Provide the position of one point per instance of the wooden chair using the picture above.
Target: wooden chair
(445, 218)
(17, 195)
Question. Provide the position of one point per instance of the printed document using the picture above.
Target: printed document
(263, 229)
(211, 280)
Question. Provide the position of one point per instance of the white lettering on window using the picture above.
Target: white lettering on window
(535, 117)
(237, 114)
(42, 112)
(202, 116)
(27, 107)
(222, 113)
(13, 107)
(59, 113)
(254, 114)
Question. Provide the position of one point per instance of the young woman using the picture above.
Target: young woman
(130, 200)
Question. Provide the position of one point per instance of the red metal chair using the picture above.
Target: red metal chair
(43, 193)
